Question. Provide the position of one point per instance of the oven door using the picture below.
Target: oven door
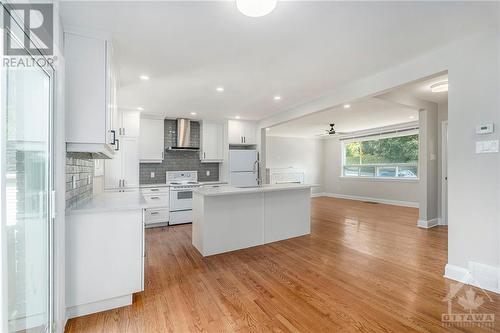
(181, 199)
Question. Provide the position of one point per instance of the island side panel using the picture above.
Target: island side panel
(232, 222)
(198, 221)
(287, 214)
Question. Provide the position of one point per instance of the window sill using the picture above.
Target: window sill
(380, 179)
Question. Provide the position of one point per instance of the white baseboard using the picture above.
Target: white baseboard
(426, 224)
(478, 275)
(370, 199)
(85, 309)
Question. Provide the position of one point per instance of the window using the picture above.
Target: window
(382, 156)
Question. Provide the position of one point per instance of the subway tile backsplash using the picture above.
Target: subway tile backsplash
(83, 171)
(176, 160)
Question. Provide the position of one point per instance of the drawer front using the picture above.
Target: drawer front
(155, 190)
(157, 199)
(154, 215)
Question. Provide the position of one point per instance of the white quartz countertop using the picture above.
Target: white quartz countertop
(231, 190)
(112, 201)
(166, 185)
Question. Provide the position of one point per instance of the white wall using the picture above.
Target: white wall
(300, 153)
(399, 191)
(473, 180)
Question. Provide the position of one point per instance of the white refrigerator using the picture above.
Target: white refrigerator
(243, 168)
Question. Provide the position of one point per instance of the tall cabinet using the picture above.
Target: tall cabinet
(122, 172)
(212, 141)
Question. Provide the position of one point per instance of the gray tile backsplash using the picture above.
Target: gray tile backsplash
(83, 171)
(176, 160)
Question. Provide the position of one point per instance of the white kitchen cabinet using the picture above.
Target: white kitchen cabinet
(90, 89)
(129, 124)
(242, 132)
(122, 172)
(212, 142)
(105, 260)
(151, 140)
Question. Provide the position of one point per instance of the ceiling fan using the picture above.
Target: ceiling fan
(332, 131)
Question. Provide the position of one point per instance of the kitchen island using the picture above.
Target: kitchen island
(227, 218)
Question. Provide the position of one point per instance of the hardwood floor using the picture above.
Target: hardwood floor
(364, 268)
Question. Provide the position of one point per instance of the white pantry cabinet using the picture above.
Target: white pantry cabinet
(105, 260)
(212, 141)
(90, 89)
(122, 172)
(242, 132)
(151, 140)
(129, 124)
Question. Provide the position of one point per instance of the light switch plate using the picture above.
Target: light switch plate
(152, 175)
(486, 147)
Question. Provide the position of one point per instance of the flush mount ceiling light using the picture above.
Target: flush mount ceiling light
(237, 117)
(220, 89)
(140, 108)
(144, 77)
(193, 113)
(439, 87)
(256, 8)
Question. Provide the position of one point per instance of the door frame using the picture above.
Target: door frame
(444, 172)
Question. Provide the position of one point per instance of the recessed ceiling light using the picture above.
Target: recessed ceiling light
(220, 89)
(439, 87)
(140, 108)
(347, 106)
(411, 117)
(144, 77)
(268, 129)
(256, 8)
(193, 113)
(277, 98)
(237, 117)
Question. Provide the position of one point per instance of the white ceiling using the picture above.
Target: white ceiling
(362, 115)
(300, 51)
(422, 90)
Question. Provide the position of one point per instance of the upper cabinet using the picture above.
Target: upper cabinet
(151, 140)
(242, 132)
(212, 141)
(91, 91)
(128, 123)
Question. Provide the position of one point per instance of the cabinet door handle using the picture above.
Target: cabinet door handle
(117, 148)
(155, 198)
(154, 190)
(244, 139)
(123, 130)
(113, 142)
(154, 213)
(204, 156)
(123, 182)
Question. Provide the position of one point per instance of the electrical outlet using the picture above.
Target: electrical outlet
(152, 175)
(208, 173)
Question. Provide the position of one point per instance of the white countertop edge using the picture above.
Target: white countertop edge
(112, 201)
(166, 185)
(230, 190)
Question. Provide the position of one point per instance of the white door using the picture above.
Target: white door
(243, 179)
(130, 162)
(444, 173)
(234, 132)
(243, 160)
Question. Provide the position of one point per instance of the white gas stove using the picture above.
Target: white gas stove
(181, 195)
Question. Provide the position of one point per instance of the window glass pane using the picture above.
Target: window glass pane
(386, 172)
(407, 171)
(367, 171)
(384, 157)
(351, 171)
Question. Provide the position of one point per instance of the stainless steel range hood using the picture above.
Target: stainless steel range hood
(183, 135)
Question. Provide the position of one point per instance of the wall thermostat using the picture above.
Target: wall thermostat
(484, 128)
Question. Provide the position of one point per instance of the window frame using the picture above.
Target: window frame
(379, 136)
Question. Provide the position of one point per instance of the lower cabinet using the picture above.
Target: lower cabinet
(104, 260)
(159, 198)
